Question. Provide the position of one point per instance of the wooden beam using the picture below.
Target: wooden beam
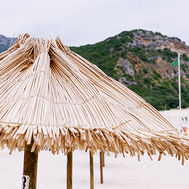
(103, 159)
(69, 170)
(91, 171)
(101, 167)
(30, 167)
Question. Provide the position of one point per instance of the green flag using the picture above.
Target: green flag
(175, 63)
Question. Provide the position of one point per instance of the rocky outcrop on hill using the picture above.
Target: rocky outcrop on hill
(150, 40)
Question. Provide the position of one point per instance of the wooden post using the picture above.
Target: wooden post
(91, 171)
(30, 166)
(69, 170)
(101, 167)
(103, 159)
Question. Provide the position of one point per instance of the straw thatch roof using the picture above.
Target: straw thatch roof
(64, 102)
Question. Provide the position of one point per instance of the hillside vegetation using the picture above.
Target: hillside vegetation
(141, 60)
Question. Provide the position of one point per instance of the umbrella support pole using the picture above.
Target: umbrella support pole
(69, 170)
(103, 159)
(30, 167)
(101, 167)
(91, 171)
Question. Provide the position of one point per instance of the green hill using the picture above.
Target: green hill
(141, 60)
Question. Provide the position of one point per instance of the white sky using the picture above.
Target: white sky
(80, 22)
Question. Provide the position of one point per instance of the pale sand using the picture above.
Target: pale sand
(119, 173)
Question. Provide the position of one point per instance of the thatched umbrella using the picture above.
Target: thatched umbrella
(53, 99)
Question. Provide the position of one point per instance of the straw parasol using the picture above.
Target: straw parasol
(53, 99)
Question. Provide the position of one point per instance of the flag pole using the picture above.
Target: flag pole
(179, 85)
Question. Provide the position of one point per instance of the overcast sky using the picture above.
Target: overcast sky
(80, 22)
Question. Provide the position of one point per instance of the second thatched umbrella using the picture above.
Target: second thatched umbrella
(53, 99)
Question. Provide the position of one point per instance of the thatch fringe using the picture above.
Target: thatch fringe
(64, 139)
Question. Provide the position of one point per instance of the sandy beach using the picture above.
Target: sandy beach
(119, 172)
